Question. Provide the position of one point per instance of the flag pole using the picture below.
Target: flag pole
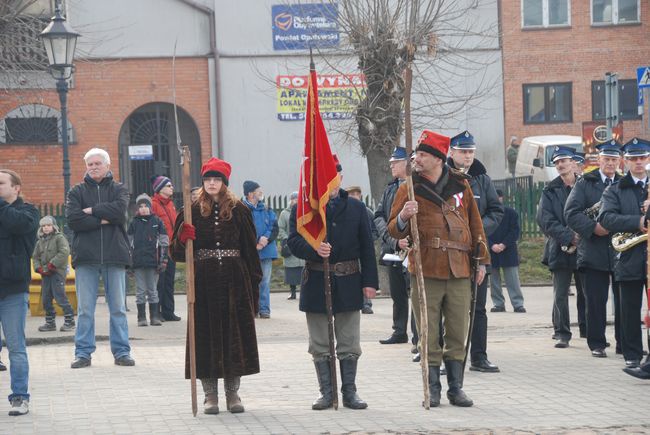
(424, 320)
(327, 287)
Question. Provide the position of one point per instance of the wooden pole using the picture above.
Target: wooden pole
(421, 293)
(330, 332)
(189, 275)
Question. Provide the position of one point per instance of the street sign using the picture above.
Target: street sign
(643, 77)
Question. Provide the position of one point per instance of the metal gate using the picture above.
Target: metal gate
(153, 125)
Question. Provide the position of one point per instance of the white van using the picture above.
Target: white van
(534, 157)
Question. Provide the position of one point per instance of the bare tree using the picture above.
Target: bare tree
(453, 44)
(20, 46)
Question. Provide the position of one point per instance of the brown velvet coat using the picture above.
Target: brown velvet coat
(432, 222)
(227, 294)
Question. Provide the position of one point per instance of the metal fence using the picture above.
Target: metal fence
(522, 194)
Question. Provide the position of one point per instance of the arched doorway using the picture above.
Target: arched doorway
(148, 147)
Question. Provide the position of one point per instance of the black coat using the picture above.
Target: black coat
(507, 233)
(92, 242)
(382, 215)
(485, 195)
(348, 231)
(620, 212)
(149, 241)
(594, 252)
(18, 226)
(550, 218)
(227, 293)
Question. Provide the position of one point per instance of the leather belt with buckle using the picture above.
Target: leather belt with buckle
(438, 243)
(342, 268)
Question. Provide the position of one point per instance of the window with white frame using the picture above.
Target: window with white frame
(615, 11)
(545, 13)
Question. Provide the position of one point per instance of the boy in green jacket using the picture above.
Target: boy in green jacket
(51, 261)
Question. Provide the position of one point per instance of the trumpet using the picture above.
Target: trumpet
(621, 242)
(592, 212)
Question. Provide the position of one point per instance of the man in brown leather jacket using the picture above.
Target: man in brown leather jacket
(450, 227)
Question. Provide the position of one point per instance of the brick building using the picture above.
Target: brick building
(118, 98)
(555, 55)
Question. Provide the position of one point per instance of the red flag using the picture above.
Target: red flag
(318, 176)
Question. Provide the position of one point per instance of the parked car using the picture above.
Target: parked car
(534, 157)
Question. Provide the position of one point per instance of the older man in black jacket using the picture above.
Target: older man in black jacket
(491, 210)
(596, 256)
(351, 254)
(18, 225)
(623, 209)
(96, 213)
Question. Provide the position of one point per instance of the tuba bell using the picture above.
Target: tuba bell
(621, 242)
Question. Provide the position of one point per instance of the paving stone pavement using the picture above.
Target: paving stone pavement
(540, 390)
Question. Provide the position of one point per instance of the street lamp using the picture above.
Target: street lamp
(60, 41)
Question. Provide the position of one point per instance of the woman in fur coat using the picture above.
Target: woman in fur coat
(227, 274)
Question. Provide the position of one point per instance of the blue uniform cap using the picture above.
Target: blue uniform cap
(463, 141)
(562, 152)
(399, 153)
(579, 158)
(611, 148)
(636, 147)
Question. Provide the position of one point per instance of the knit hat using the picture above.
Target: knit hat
(216, 168)
(143, 199)
(250, 186)
(158, 182)
(434, 143)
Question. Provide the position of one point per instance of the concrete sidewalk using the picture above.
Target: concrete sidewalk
(540, 389)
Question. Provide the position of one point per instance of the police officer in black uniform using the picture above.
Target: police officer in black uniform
(596, 256)
(491, 210)
(623, 209)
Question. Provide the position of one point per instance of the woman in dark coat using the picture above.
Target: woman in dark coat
(227, 276)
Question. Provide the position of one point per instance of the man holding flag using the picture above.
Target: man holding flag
(332, 233)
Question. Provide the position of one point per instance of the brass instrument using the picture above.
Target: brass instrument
(621, 242)
(592, 212)
(571, 249)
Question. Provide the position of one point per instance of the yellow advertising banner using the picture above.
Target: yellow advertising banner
(338, 96)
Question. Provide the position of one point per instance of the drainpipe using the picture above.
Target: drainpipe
(217, 150)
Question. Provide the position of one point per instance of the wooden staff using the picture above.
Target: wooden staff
(330, 331)
(424, 322)
(189, 274)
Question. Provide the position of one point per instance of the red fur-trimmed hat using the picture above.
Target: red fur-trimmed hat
(434, 143)
(216, 168)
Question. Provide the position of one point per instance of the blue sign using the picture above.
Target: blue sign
(643, 77)
(298, 27)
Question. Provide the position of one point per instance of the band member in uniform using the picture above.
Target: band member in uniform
(596, 257)
(623, 210)
(561, 242)
(449, 225)
(353, 275)
(396, 277)
(491, 210)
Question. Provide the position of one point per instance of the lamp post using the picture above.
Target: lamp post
(60, 41)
